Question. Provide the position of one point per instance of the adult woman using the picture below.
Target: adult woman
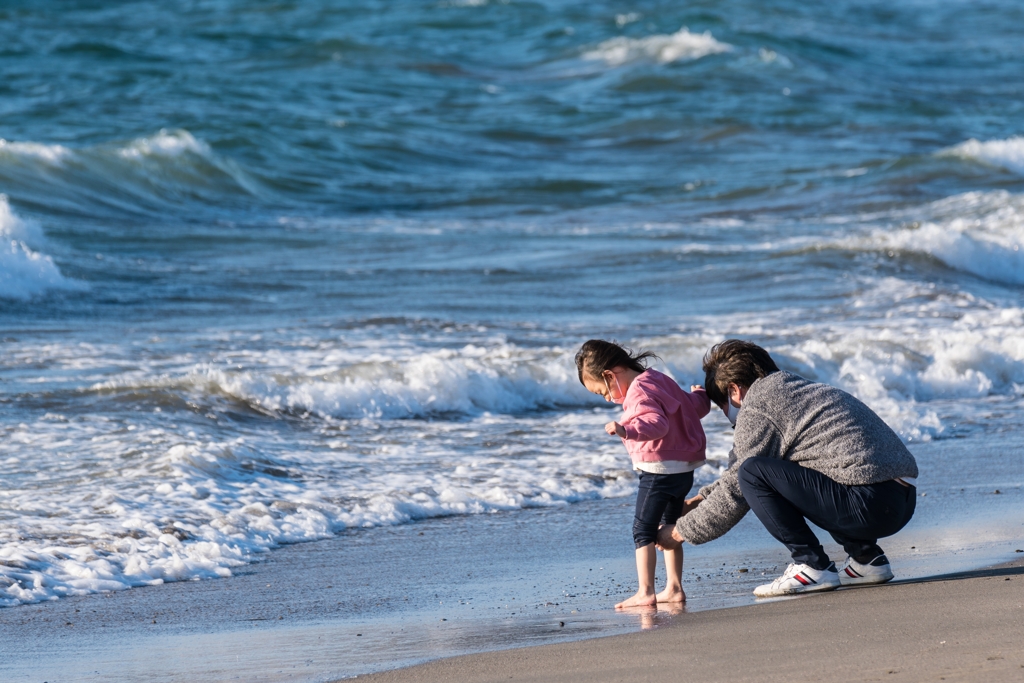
(802, 451)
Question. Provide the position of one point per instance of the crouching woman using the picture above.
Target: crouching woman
(801, 451)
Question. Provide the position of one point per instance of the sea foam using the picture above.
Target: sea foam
(193, 509)
(1007, 154)
(468, 381)
(165, 143)
(663, 49)
(981, 233)
(51, 154)
(25, 273)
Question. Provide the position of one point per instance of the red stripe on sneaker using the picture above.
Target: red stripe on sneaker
(804, 579)
(852, 573)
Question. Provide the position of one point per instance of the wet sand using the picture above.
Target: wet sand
(961, 627)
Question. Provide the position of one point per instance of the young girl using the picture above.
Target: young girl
(661, 429)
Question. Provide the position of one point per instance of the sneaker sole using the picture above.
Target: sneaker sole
(866, 580)
(798, 591)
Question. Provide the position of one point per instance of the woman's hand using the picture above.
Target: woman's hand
(669, 538)
(690, 504)
(695, 387)
(615, 429)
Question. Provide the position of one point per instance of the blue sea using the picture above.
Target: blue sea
(271, 270)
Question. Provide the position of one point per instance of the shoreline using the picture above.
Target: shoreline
(370, 600)
(966, 627)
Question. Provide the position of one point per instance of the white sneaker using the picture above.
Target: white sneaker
(853, 573)
(800, 578)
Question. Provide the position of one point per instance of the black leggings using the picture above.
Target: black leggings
(659, 501)
(782, 494)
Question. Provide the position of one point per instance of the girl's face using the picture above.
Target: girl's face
(608, 386)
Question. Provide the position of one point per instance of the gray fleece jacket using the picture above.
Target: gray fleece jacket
(818, 426)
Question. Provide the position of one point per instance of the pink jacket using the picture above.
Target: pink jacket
(662, 421)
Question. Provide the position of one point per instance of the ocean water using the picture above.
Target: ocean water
(274, 270)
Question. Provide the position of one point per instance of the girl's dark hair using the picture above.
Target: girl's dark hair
(597, 355)
(734, 362)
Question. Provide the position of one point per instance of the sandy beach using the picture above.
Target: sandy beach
(958, 627)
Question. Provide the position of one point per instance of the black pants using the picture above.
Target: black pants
(658, 501)
(782, 494)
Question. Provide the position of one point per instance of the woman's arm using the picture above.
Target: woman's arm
(691, 503)
(719, 512)
(669, 537)
(722, 505)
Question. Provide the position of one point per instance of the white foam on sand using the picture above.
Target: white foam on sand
(189, 508)
(24, 272)
(384, 439)
(663, 49)
(1007, 154)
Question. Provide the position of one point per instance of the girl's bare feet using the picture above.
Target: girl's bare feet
(641, 599)
(671, 595)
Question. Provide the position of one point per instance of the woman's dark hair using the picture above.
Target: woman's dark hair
(597, 355)
(734, 362)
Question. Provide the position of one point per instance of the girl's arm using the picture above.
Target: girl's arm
(646, 421)
(699, 398)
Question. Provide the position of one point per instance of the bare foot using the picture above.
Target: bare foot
(671, 595)
(641, 599)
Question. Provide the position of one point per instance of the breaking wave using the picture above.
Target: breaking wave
(146, 173)
(981, 233)
(466, 382)
(1007, 154)
(24, 272)
(663, 49)
(50, 154)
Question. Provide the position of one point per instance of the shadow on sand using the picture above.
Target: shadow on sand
(1015, 568)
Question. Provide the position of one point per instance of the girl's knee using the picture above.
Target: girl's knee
(644, 533)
